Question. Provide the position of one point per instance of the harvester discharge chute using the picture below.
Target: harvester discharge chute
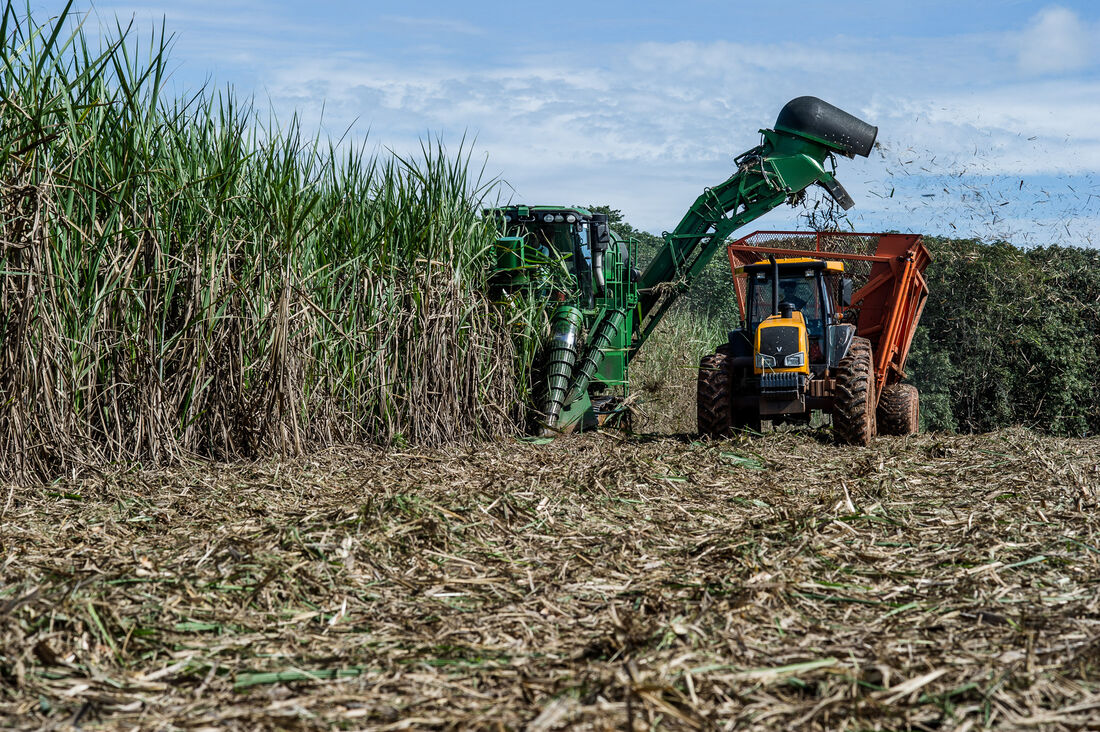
(601, 308)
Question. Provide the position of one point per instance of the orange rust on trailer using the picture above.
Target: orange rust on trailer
(891, 289)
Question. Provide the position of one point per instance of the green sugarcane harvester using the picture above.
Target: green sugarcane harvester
(604, 309)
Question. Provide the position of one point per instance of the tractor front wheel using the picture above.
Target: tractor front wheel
(899, 410)
(713, 395)
(854, 399)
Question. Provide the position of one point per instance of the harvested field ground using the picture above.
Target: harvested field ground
(937, 582)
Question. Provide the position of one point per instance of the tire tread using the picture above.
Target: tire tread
(899, 410)
(854, 399)
(713, 395)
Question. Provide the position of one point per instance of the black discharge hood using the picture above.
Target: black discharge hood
(815, 119)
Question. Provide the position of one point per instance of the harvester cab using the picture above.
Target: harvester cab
(571, 248)
(570, 259)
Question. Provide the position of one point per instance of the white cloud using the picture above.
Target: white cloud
(647, 127)
(1057, 40)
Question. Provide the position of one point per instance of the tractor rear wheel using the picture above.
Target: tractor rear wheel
(899, 410)
(712, 399)
(854, 399)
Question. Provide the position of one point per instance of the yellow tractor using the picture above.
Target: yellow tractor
(809, 343)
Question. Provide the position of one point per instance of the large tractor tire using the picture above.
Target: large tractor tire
(899, 410)
(713, 395)
(854, 399)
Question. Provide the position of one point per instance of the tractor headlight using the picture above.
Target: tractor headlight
(795, 359)
(764, 361)
(548, 218)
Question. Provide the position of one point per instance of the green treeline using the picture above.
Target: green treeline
(1009, 336)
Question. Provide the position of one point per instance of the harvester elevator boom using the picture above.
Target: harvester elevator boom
(791, 158)
(603, 309)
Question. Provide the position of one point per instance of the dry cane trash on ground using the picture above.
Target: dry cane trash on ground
(597, 582)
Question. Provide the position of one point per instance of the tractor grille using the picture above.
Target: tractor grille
(788, 382)
(779, 341)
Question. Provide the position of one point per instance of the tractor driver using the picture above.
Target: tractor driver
(801, 293)
(791, 290)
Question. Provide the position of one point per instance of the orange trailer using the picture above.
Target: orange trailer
(887, 271)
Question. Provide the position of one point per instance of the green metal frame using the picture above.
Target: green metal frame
(783, 166)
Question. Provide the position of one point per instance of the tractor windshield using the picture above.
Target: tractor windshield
(800, 288)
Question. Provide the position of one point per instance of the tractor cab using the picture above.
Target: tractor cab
(791, 335)
(789, 309)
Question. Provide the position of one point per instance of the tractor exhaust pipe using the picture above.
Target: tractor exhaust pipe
(775, 284)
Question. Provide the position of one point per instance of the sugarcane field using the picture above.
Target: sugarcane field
(385, 367)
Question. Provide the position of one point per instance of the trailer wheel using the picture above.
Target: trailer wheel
(854, 400)
(899, 410)
(712, 400)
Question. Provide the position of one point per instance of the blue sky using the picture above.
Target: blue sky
(988, 111)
